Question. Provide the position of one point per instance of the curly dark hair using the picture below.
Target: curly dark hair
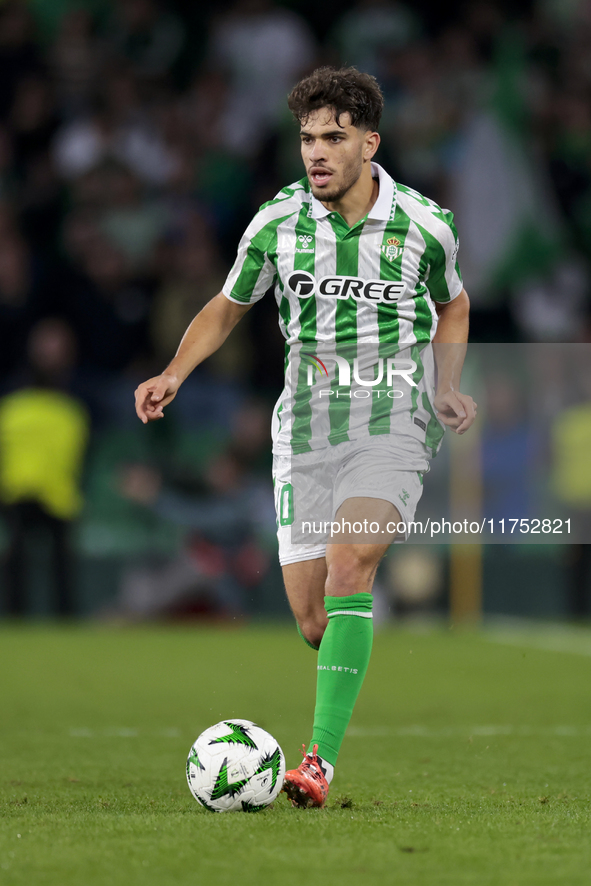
(345, 90)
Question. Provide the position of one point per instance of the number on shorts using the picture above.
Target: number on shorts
(286, 505)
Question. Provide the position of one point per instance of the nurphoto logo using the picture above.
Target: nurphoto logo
(391, 368)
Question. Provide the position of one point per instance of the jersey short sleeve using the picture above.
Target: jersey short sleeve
(253, 271)
(445, 280)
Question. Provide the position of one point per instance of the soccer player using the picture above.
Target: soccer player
(362, 268)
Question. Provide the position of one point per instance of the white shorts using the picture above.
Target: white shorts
(310, 487)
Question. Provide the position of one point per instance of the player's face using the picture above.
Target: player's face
(333, 154)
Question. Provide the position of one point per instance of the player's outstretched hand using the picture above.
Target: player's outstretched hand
(153, 395)
(455, 410)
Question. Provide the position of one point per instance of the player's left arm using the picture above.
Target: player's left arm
(454, 409)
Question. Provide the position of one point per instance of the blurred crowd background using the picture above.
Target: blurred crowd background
(137, 139)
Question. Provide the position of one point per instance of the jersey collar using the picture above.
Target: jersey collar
(384, 207)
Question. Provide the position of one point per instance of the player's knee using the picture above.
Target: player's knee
(351, 569)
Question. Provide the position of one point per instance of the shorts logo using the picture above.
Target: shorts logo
(392, 249)
(303, 284)
(404, 497)
(305, 242)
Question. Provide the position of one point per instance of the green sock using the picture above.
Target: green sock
(342, 664)
(307, 642)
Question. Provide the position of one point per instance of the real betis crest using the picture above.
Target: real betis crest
(391, 248)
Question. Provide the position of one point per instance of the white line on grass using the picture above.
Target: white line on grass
(121, 732)
(468, 731)
(555, 639)
(374, 732)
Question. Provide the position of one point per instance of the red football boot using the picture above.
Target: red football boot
(306, 786)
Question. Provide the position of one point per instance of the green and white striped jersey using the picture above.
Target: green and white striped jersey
(357, 296)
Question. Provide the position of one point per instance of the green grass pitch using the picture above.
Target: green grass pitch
(467, 760)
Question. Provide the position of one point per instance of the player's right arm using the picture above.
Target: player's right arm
(207, 332)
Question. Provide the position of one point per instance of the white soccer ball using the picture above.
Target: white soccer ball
(235, 766)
